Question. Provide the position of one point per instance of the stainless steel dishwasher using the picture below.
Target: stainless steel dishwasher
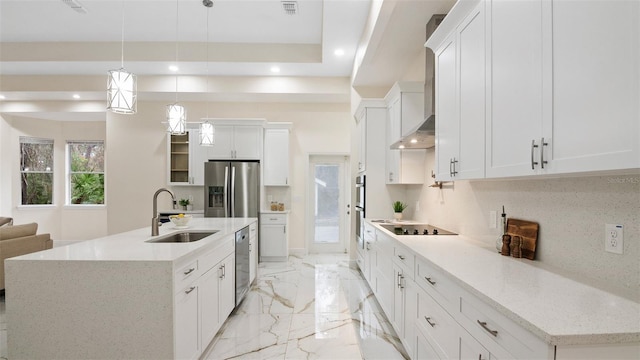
(242, 264)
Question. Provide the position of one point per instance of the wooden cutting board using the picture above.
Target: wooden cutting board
(528, 231)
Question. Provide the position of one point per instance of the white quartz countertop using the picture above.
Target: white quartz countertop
(560, 310)
(132, 245)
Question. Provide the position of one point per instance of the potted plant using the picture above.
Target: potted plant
(398, 208)
(184, 203)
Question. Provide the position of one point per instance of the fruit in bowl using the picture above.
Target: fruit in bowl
(180, 219)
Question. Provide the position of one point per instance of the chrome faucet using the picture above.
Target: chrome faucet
(155, 223)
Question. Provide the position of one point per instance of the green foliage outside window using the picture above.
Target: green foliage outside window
(86, 174)
(36, 171)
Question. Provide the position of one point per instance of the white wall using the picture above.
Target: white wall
(571, 211)
(62, 222)
(137, 156)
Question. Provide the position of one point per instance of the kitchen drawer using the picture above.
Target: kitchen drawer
(438, 285)
(405, 259)
(369, 232)
(273, 219)
(500, 335)
(185, 274)
(213, 257)
(439, 327)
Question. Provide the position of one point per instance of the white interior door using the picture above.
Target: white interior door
(328, 204)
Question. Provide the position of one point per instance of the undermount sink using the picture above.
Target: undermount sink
(183, 237)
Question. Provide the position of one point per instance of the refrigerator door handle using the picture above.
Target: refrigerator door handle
(226, 191)
(233, 191)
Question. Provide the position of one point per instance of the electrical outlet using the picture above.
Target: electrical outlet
(613, 238)
(493, 219)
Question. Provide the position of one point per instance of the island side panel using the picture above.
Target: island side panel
(89, 309)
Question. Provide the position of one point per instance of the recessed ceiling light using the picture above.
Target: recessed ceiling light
(275, 69)
(414, 141)
(173, 68)
(401, 147)
(76, 96)
(2, 97)
(338, 52)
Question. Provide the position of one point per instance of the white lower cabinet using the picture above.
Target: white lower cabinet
(253, 252)
(204, 299)
(274, 240)
(186, 324)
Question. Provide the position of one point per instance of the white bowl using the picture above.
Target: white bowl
(180, 220)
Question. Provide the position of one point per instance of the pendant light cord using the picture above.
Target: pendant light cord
(207, 57)
(122, 39)
(177, 13)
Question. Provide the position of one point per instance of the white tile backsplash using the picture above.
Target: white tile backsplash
(571, 211)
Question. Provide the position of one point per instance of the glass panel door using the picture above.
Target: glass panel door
(327, 203)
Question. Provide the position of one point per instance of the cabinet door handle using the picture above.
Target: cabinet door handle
(429, 280)
(533, 162)
(190, 290)
(542, 160)
(398, 279)
(429, 321)
(189, 271)
(454, 161)
(284, 229)
(390, 176)
(368, 247)
(484, 326)
(401, 257)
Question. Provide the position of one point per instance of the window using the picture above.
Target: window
(85, 164)
(36, 170)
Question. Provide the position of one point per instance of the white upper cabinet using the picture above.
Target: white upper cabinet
(242, 142)
(596, 86)
(516, 99)
(405, 103)
(361, 131)
(276, 156)
(405, 112)
(562, 84)
(460, 100)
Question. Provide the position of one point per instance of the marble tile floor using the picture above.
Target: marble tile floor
(314, 307)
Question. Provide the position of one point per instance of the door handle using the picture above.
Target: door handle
(533, 162)
(542, 160)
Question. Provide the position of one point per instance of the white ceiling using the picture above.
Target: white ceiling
(40, 40)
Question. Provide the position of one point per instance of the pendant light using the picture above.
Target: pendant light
(122, 97)
(207, 132)
(176, 113)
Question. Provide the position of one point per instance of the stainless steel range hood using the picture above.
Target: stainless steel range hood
(424, 136)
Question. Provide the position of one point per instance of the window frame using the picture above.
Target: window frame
(68, 174)
(43, 141)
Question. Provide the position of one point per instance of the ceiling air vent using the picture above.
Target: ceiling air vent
(290, 7)
(75, 5)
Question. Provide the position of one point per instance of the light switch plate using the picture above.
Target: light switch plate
(614, 238)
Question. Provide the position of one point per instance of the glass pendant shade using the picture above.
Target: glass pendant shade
(122, 92)
(177, 119)
(207, 133)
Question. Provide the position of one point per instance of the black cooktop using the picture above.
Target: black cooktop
(416, 229)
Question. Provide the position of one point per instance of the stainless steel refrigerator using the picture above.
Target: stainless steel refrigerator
(231, 188)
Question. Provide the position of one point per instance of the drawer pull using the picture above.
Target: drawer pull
(484, 326)
(401, 257)
(189, 271)
(273, 219)
(429, 321)
(190, 290)
(429, 280)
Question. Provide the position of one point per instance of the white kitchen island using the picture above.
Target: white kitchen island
(121, 297)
